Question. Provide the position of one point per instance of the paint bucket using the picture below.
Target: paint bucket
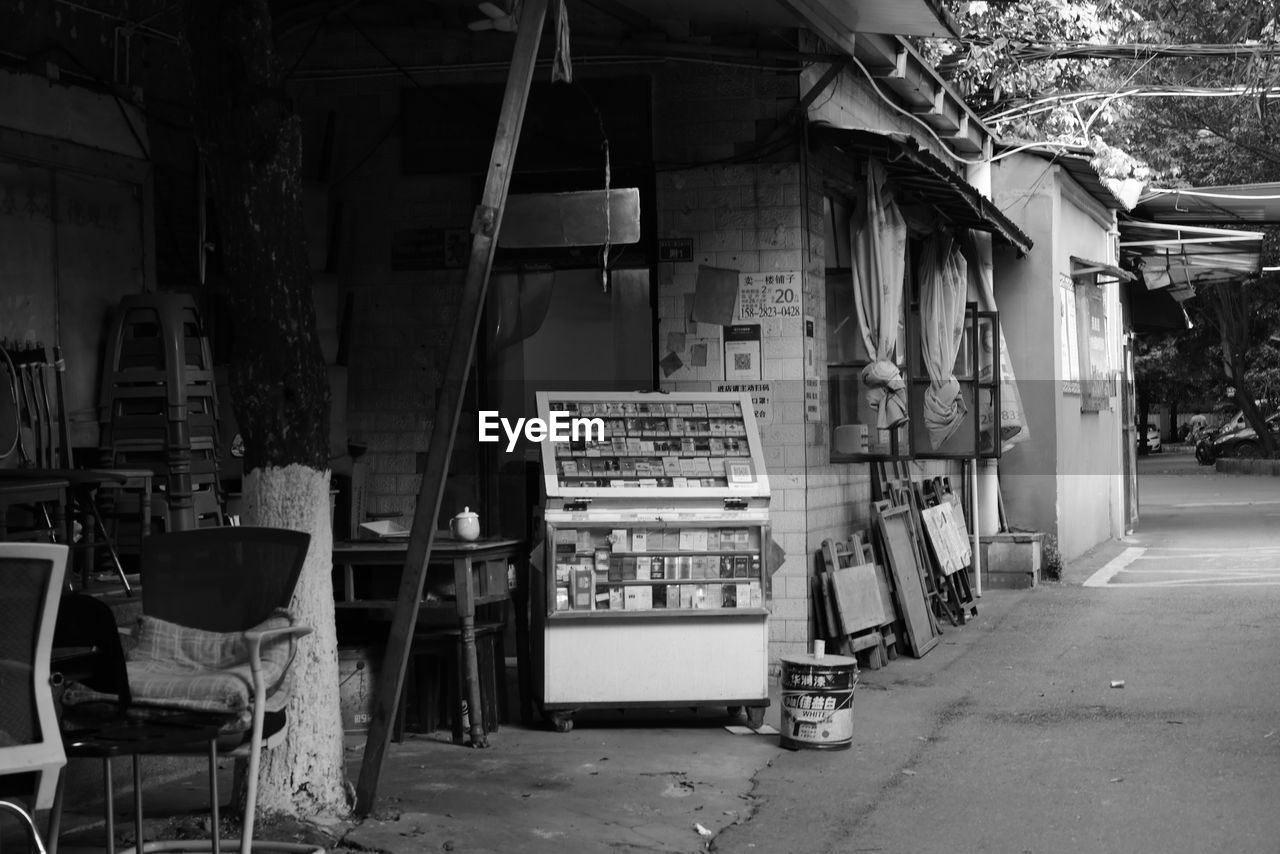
(357, 682)
(817, 702)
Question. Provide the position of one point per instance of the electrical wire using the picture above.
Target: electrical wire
(1049, 102)
(1151, 192)
(1052, 147)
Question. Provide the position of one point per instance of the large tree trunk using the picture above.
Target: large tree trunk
(279, 385)
(1231, 308)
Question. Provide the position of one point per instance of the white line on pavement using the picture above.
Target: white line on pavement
(1192, 582)
(1245, 503)
(1113, 566)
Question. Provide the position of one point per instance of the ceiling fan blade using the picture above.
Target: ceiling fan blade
(492, 10)
(477, 26)
(506, 24)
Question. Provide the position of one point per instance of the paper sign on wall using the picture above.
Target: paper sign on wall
(769, 296)
(761, 398)
(742, 352)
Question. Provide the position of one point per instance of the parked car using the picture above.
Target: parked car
(1242, 440)
(1153, 440)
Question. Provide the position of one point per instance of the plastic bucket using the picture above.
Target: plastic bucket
(817, 702)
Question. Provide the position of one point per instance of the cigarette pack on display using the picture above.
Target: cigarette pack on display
(665, 519)
(583, 585)
(729, 595)
(659, 596)
(638, 597)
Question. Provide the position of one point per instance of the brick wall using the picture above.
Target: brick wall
(750, 217)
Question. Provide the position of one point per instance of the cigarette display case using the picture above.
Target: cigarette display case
(653, 588)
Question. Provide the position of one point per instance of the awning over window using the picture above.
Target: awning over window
(1106, 272)
(922, 178)
(1213, 205)
(1179, 257)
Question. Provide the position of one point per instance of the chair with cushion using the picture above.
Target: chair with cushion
(216, 638)
(31, 755)
(99, 720)
(219, 597)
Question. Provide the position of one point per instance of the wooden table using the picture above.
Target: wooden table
(72, 490)
(19, 486)
(478, 572)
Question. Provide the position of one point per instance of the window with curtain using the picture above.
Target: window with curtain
(940, 347)
(865, 421)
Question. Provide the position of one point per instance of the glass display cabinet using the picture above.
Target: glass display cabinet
(653, 588)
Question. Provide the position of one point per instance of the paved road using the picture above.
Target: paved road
(1140, 715)
(1199, 527)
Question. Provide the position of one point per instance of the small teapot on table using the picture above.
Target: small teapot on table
(466, 525)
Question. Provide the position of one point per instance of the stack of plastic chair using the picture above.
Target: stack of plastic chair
(158, 408)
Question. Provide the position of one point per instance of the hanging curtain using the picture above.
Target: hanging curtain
(1013, 418)
(942, 301)
(879, 263)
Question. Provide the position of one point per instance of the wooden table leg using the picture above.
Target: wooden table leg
(464, 590)
(520, 601)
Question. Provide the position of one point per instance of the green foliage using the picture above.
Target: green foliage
(1180, 369)
(1050, 558)
(984, 69)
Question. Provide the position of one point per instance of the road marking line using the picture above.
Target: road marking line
(1184, 552)
(1209, 571)
(1190, 582)
(1245, 503)
(1117, 563)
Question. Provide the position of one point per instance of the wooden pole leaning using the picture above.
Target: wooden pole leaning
(484, 234)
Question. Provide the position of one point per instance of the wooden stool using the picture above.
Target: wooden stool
(435, 677)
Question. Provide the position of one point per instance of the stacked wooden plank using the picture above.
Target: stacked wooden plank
(854, 602)
(874, 606)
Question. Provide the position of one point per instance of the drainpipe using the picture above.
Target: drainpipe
(984, 483)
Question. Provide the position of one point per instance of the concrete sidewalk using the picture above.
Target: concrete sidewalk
(654, 781)
(619, 780)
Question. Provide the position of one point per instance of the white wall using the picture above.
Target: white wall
(1066, 481)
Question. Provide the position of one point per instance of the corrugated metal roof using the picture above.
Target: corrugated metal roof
(924, 179)
(1209, 205)
(1077, 161)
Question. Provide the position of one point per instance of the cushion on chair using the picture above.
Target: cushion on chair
(176, 666)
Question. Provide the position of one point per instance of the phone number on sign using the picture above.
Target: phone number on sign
(766, 311)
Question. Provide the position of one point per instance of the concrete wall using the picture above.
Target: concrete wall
(1028, 313)
(1066, 480)
(75, 226)
(1090, 466)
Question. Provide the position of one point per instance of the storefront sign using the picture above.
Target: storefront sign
(675, 249)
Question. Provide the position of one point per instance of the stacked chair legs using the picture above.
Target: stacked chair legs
(158, 407)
